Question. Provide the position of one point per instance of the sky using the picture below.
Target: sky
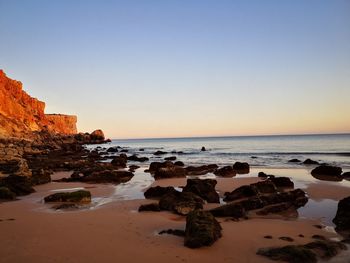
(147, 69)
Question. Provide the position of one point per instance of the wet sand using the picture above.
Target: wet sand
(116, 232)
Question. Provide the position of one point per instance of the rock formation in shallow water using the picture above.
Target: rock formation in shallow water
(20, 114)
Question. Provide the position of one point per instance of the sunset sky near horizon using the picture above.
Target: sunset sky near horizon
(141, 69)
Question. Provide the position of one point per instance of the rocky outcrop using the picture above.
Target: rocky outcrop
(342, 218)
(20, 114)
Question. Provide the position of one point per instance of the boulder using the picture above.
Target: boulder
(20, 185)
(120, 161)
(205, 188)
(342, 218)
(112, 150)
(233, 209)
(159, 153)
(241, 192)
(202, 229)
(158, 192)
(201, 170)
(154, 166)
(327, 170)
(241, 168)
(179, 163)
(170, 158)
(309, 161)
(41, 176)
(203, 149)
(107, 176)
(6, 194)
(169, 172)
(180, 202)
(282, 182)
(135, 158)
(226, 171)
(291, 254)
(80, 196)
(294, 161)
(97, 135)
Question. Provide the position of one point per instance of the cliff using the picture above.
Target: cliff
(20, 114)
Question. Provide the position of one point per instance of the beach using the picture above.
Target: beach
(111, 229)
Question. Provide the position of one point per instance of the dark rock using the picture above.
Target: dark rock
(201, 170)
(265, 187)
(20, 185)
(158, 191)
(277, 208)
(141, 150)
(179, 163)
(262, 174)
(327, 170)
(291, 254)
(80, 196)
(342, 218)
(319, 237)
(241, 168)
(170, 172)
(67, 206)
(180, 202)
(154, 166)
(289, 239)
(205, 188)
(309, 161)
(124, 150)
(112, 150)
(229, 210)
(120, 161)
(241, 192)
(252, 203)
(268, 237)
(202, 229)
(135, 158)
(203, 149)
(326, 249)
(346, 175)
(149, 207)
(159, 153)
(132, 168)
(40, 176)
(6, 194)
(294, 161)
(282, 182)
(175, 232)
(226, 171)
(107, 176)
(171, 158)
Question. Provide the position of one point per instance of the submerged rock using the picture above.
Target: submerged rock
(80, 196)
(170, 158)
(294, 161)
(135, 158)
(204, 188)
(202, 229)
(159, 153)
(309, 161)
(342, 218)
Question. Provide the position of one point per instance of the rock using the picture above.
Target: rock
(149, 207)
(179, 163)
(282, 182)
(226, 171)
(170, 158)
(175, 232)
(180, 202)
(141, 150)
(265, 187)
(132, 168)
(159, 153)
(273, 209)
(326, 249)
(262, 175)
(120, 161)
(203, 149)
(112, 150)
(229, 210)
(291, 254)
(170, 172)
(201, 170)
(342, 218)
(202, 229)
(107, 176)
(346, 175)
(135, 158)
(124, 150)
(241, 192)
(294, 161)
(20, 185)
(327, 170)
(80, 196)
(289, 239)
(319, 237)
(66, 206)
(158, 192)
(154, 166)
(14, 165)
(241, 168)
(6, 194)
(97, 135)
(204, 188)
(40, 176)
(309, 161)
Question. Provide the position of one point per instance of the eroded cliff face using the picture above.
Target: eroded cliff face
(20, 114)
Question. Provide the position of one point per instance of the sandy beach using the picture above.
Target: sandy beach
(115, 231)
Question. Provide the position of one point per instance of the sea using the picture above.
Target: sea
(259, 151)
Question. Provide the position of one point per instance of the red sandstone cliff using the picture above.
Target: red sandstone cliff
(21, 114)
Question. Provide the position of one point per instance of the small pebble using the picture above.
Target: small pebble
(289, 239)
(301, 235)
(268, 237)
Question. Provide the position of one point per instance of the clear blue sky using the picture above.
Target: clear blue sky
(184, 68)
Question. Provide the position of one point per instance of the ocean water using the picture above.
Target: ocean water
(258, 151)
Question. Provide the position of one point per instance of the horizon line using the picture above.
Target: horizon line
(229, 136)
